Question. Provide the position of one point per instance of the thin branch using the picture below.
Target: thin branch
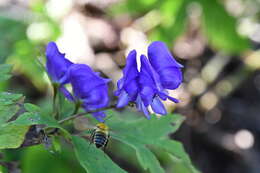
(84, 113)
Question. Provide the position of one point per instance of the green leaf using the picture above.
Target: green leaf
(176, 149)
(31, 107)
(8, 106)
(29, 118)
(34, 118)
(93, 159)
(220, 28)
(147, 130)
(12, 136)
(7, 98)
(7, 112)
(138, 134)
(5, 69)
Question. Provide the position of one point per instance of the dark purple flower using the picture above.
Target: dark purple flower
(89, 88)
(146, 88)
(57, 65)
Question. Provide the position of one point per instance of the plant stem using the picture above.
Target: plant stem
(76, 109)
(54, 103)
(84, 113)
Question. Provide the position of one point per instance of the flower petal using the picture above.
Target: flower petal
(123, 100)
(171, 77)
(160, 56)
(97, 98)
(158, 106)
(56, 65)
(84, 80)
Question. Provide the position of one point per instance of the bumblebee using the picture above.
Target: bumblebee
(100, 135)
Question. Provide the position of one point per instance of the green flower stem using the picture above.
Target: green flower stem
(77, 106)
(54, 101)
(84, 113)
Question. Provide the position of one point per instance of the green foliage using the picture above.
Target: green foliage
(176, 150)
(142, 133)
(217, 25)
(12, 136)
(34, 117)
(11, 32)
(173, 22)
(93, 159)
(5, 69)
(37, 159)
(8, 106)
(220, 28)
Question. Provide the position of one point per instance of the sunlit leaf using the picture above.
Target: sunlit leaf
(12, 136)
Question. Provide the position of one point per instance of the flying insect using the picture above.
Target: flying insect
(100, 135)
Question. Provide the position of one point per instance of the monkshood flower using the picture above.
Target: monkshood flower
(128, 86)
(148, 86)
(89, 88)
(165, 65)
(57, 66)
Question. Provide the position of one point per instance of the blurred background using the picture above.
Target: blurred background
(217, 41)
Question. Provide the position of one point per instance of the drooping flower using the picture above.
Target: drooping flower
(56, 65)
(158, 72)
(89, 88)
(165, 65)
(151, 88)
(128, 86)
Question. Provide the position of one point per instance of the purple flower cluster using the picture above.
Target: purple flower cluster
(88, 87)
(148, 86)
(145, 88)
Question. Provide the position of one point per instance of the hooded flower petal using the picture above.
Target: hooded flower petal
(128, 84)
(88, 87)
(148, 87)
(57, 65)
(158, 106)
(165, 65)
(85, 81)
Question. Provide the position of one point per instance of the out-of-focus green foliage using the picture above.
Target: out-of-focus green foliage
(5, 69)
(17, 48)
(220, 28)
(11, 32)
(38, 159)
(216, 24)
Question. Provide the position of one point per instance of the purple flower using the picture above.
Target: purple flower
(57, 65)
(128, 86)
(148, 87)
(165, 65)
(89, 88)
